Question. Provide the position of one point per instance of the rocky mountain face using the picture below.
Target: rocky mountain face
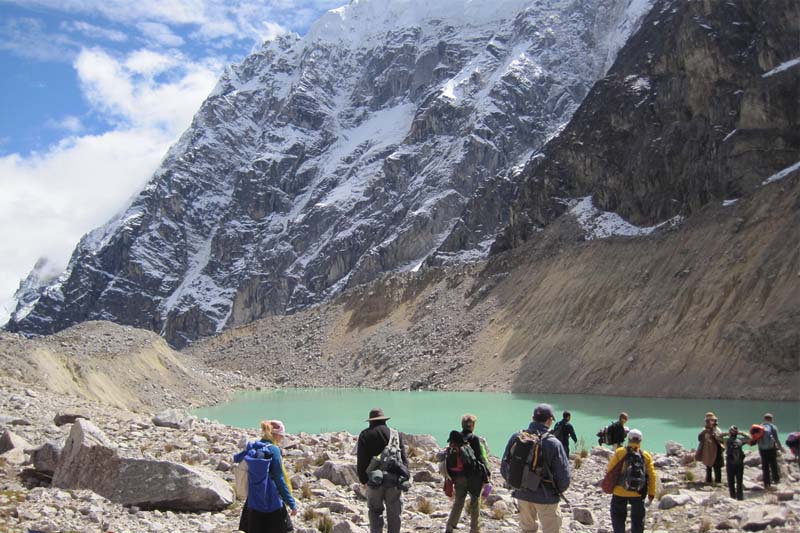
(693, 292)
(702, 106)
(387, 137)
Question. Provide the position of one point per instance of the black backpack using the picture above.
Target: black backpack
(560, 431)
(525, 460)
(734, 452)
(463, 454)
(634, 475)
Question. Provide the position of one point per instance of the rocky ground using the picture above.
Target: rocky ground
(322, 470)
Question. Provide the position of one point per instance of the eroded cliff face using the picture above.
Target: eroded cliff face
(385, 138)
(707, 310)
(701, 105)
(696, 125)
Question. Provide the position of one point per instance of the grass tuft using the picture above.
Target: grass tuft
(424, 505)
(325, 524)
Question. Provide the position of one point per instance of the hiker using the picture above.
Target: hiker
(768, 445)
(382, 466)
(710, 448)
(469, 470)
(269, 488)
(540, 480)
(614, 433)
(563, 431)
(793, 443)
(637, 479)
(734, 462)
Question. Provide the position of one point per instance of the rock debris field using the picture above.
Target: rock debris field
(76, 465)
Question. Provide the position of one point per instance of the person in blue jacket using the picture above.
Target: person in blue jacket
(542, 503)
(268, 491)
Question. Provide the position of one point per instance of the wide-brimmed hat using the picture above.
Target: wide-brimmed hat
(277, 427)
(376, 414)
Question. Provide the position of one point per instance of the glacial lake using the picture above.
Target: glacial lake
(499, 414)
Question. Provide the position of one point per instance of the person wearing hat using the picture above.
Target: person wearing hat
(621, 496)
(734, 462)
(541, 504)
(371, 442)
(710, 448)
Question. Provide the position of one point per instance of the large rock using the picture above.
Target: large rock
(152, 484)
(425, 442)
(673, 500)
(174, 418)
(62, 419)
(337, 473)
(45, 457)
(347, 527)
(674, 449)
(600, 451)
(89, 461)
(11, 441)
(583, 515)
(763, 517)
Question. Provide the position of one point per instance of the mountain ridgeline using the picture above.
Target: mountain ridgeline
(321, 163)
(386, 137)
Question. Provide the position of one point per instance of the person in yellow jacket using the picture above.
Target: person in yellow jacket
(637, 478)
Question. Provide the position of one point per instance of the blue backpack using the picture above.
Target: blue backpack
(262, 494)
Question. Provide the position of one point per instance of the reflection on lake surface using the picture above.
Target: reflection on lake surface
(499, 414)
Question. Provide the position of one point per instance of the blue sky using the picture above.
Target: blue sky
(92, 95)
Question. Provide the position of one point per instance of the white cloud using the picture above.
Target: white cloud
(272, 30)
(95, 32)
(51, 199)
(114, 88)
(160, 33)
(70, 123)
(149, 63)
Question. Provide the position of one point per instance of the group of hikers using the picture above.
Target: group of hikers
(535, 464)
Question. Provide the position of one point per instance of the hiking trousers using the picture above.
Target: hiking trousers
(769, 464)
(619, 513)
(548, 514)
(735, 474)
(462, 486)
(377, 499)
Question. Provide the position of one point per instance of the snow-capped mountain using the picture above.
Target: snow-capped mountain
(386, 138)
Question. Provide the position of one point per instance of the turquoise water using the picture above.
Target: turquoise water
(499, 414)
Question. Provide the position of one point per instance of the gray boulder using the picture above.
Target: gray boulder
(150, 484)
(347, 527)
(673, 500)
(174, 418)
(89, 461)
(752, 459)
(762, 517)
(674, 449)
(63, 419)
(426, 476)
(45, 457)
(424, 442)
(337, 473)
(600, 451)
(583, 515)
(10, 441)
